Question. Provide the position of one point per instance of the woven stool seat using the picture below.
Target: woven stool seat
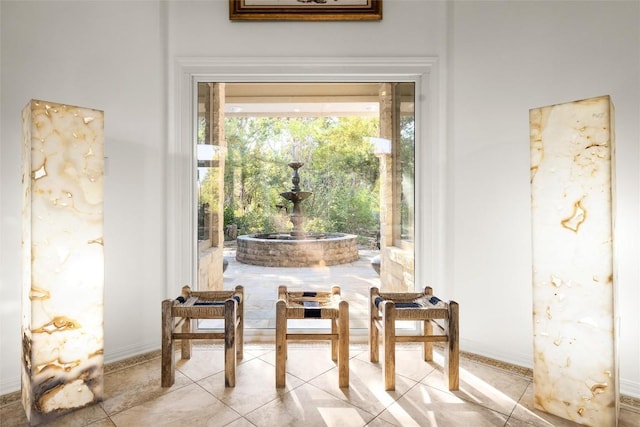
(310, 304)
(190, 305)
(388, 307)
(313, 305)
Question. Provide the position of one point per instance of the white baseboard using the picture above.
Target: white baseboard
(630, 388)
(475, 347)
(130, 351)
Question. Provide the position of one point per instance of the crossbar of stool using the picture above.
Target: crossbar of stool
(313, 305)
(227, 305)
(388, 307)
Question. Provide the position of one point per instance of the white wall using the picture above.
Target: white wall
(508, 57)
(108, 56)
(496, 63)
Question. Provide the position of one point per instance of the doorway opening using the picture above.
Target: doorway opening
(356, 141)
(181, 192)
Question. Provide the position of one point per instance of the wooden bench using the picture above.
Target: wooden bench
(313, 305)
(387, 307)
(179, 313)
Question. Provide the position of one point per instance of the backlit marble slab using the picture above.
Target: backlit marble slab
(575, 361)
(63, 271)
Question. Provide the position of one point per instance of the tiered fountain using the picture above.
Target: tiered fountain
(296, 197)
(297, 248)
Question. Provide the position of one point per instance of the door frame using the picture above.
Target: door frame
(184, 75)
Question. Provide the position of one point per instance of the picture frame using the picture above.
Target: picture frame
(305, 10)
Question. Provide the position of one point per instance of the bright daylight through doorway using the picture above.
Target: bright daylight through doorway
(353, 145)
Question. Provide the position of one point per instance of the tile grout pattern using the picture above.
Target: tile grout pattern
(492, 392)
(488, 395)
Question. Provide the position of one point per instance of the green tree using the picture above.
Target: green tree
(340, 169)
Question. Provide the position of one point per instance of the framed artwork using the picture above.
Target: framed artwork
(305, 10)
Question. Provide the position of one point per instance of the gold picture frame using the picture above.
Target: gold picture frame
(305, 10)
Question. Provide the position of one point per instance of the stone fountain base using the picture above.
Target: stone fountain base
(281, 250)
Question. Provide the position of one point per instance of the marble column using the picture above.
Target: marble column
(575, 365)
(63, 266)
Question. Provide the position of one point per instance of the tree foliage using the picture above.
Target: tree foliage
(339, 168)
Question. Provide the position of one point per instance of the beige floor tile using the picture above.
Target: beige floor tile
(81, 417)
(241, 422)
(204, 362)
(513, 422)
(303, 363)
(379, 422)
(366, 386)
(252, 351)
(484, 385)
(309, 406)
(409, 362)
(133, 396)
(626, 419)
(187, 406)
(102, 423)
(255, 386)
(13, 415)
(525, 411)
(359, 351)
(629, 418)
(424, 406)
(135, 385)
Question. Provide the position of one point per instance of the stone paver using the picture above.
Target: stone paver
(261, 286)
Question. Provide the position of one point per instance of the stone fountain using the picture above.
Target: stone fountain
(296, 197)
(297, 248)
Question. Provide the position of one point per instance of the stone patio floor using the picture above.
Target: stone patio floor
(261, 288)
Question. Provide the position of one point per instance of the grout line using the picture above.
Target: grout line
(626, 402)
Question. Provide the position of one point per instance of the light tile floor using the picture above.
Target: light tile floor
(488, 395)
(491, 394)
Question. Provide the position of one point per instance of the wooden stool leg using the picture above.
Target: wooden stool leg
(427, 349)
(335, 290)
(240, 328)
(281, 343)
(230, 343)
(452, 349)
(185, 345)
(343, 346)
(374, 346)
(389, 332)
(168, 353)
(334, 339)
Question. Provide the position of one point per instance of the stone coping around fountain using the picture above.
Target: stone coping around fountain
(284, 236)
(313, 251)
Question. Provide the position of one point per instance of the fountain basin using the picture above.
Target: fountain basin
(283, 250)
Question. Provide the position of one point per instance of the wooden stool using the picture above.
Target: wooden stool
(387, 307)
(313, 305)
(227, 305)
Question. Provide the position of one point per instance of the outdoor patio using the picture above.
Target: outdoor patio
(261, 288)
